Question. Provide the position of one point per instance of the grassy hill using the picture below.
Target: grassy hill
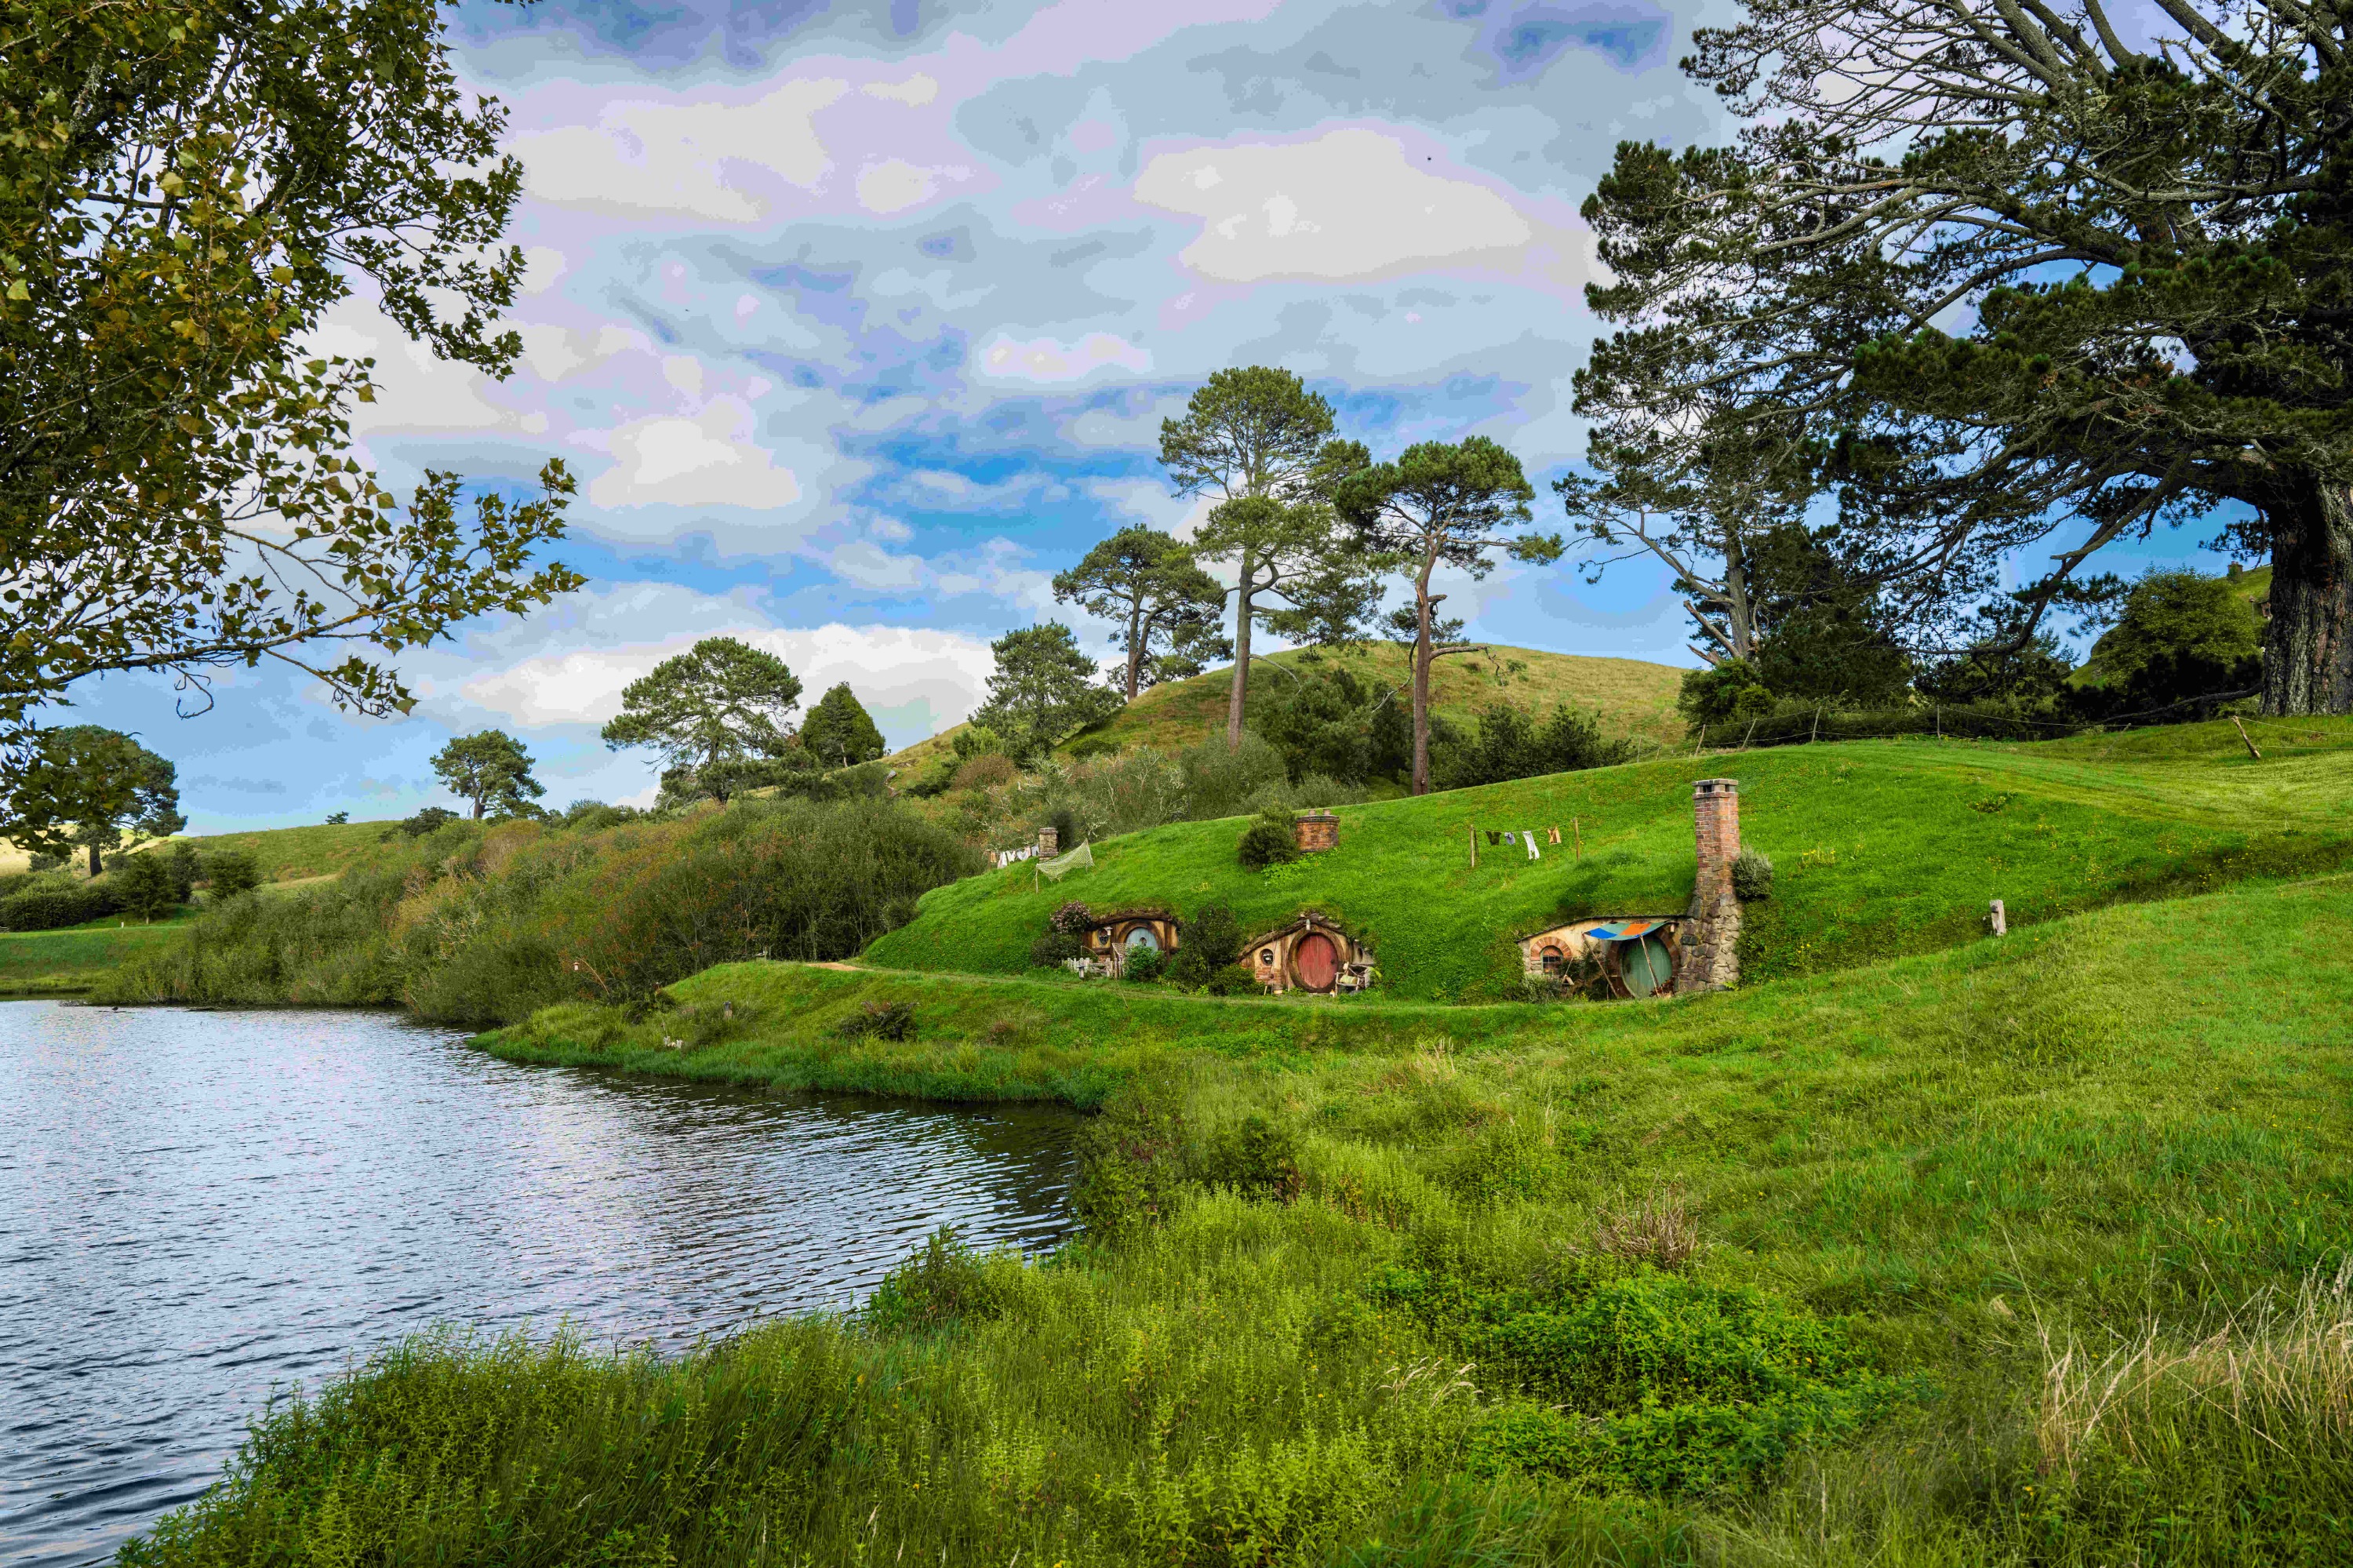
(1882, 848)
(1633, 698)
(2024, 1253)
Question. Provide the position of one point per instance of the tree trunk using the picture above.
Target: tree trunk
(477, 807)
(96, 866)
(2309, 643)
(1136, 638)
(1421, 660)
(1239, 694)
(1741, 617)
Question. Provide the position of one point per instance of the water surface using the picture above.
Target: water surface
(197, 1208)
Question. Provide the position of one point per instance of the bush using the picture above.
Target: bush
(186, 869)
(144, 882)
(1144, 965)
(1729, 690)
(228, 872)
(1255, 1157)
(880, 1021)
(1752, 876)
(1206, 944)
(425, 821)
(985, 771)
(1217, 781)
(1054, 949)
(54, 905)
(1273, 839)
(1131, 1164)
(1509, 744)
(945, 1283)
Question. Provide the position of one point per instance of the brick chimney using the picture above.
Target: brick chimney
(1709, 958)
(1050, 843)
(1317, 830)
(1715, 833)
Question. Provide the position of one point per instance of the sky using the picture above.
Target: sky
(857, 322)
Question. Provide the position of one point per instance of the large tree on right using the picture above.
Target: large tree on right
(2032, 283)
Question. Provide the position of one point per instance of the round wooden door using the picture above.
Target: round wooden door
(1645, 966)
(1316, 961)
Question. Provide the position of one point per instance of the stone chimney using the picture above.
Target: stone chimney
(1710, 956)
(1050, 843)
(1317, 830)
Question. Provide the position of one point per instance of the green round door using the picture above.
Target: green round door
(1645, 966)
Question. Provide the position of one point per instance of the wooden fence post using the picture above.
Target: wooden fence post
(1997, 920)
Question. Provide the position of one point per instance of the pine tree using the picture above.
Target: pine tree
(838, 733)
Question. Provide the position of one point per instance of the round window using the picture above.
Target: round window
(1140, 939)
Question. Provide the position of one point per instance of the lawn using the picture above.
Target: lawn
(65, 963)
(2028, 1251)
(1882, 848)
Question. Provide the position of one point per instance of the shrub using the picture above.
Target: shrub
(425, 821)
(1273, 839)
(1509, 744)
(1144, 965)
(53, 905)
(880, 1021)
(1256, 1158)
(945, 1283)
(985, 771)
(1232, 979)
(1217, 781)
(186, 869)
(1054, 949)
(228, 872)
(1206, 944)
(1072, 919)
(1131, 1163)
(145, 884)
(1752, 876)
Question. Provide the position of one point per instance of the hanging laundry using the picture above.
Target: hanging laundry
(1507, 837)
(1494, 837)
(1553, 836)
(1529, 835)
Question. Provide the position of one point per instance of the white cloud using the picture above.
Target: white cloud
(414, 391)
(1348, 204)
(915, 679)
(894, 186)
(703, 461)
(914, 92)
(704, 160)
(1049, 360)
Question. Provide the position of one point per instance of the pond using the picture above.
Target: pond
(197, 1208)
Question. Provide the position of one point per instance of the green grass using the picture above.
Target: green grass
(292, 854)
(1349, 1260)
(69, 962)
(1882, 848)
(1634, 698)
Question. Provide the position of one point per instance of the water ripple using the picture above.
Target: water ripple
(197, 1208)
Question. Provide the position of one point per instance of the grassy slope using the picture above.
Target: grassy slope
(2137, 1114)
(1633, 698)
(293, 854)
(65, 963)
(1882, 847)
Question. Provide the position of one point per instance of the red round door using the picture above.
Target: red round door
(1316, 961)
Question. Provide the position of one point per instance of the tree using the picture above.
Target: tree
(1259, 441)
(1694, 500)
(186, 187)
(185, 870)
(493, 770)
(107, 786)
(145, 881)
(2182, 635)
(1042, 690)
(228, 872)
(2025, 277)
(1441, 504)
(1145, 584)
(709, 710)
(1821, 631)
(838, 733)
(1510, 745)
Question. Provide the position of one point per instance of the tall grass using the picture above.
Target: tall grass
(487, 926)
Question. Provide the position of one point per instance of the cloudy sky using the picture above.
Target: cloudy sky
(857, 322)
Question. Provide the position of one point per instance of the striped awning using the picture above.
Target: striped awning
(1624, 930)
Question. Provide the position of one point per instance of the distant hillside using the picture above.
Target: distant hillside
(1882, 848)
(1634, 698)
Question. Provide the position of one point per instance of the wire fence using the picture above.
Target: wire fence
(1958, 721)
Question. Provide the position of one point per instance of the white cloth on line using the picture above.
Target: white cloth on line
(1529, 835)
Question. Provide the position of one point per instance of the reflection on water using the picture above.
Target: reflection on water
(197, 1207)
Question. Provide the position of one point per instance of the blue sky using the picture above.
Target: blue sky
(858, 321)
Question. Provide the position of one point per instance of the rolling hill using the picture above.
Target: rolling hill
(1632, 697)
(1882, 847)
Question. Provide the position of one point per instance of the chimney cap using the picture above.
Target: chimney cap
(1715, 787)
